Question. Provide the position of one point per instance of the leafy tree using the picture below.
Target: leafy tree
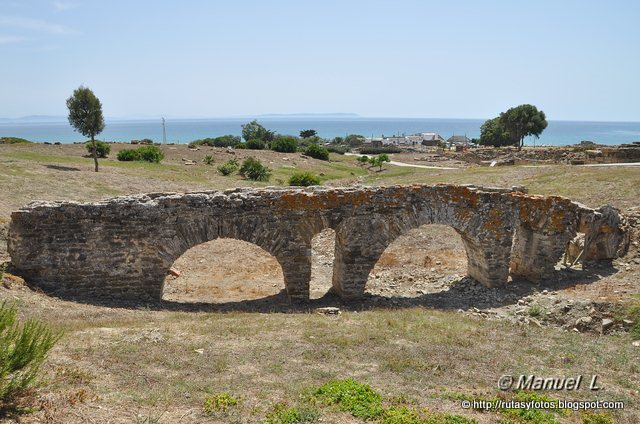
(354, 140)
(102, 148)
(522, 121)
(318, 152)
(379, 160)
(284, 144)
(253, 169)
(85, 115)
(337, 140)
(492, 133)
(253, 130)
(308, 133)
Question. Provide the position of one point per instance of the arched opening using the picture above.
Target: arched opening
(427, 259)
(221, 271)
(322, 256)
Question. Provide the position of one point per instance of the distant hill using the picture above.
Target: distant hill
(33, 118)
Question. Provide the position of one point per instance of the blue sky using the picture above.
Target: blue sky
(576, 60)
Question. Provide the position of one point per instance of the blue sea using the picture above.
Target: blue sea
(186, 130)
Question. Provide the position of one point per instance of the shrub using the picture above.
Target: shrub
(220, 402)
(208, 160)
(379, 150)
(284, 144)
(317, 152)
(304, 179)
(363, 159)
(102, 148)
(13, 140)
(23, 349)
(222, 141)
(128, 155)
(253, 169)
(151, 154)
(255, 144)
(228, 167)
(341, 150)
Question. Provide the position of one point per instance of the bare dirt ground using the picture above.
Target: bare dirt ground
(423, 332)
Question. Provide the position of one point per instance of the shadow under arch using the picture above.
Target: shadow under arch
(221, 271)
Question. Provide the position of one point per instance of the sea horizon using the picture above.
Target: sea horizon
(184, 130)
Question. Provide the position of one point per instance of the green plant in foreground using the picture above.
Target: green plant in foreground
(361, 400)
(281, 413)
(304, 179)
(229, 167)
(220, 402)
(253, 169)
(407, 415)
(23, 349)
(596, 418)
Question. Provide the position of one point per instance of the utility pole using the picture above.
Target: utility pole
(164, 133)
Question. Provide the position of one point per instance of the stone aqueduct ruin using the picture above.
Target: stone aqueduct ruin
(122, 248)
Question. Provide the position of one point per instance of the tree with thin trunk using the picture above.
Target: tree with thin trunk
(85, 115)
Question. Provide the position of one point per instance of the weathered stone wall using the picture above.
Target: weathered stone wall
(123, 247)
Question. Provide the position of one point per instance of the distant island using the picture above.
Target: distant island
(309, 115)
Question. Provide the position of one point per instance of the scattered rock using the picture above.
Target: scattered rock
(328, 310)
(606, 324)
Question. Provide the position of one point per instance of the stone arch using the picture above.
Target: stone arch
(289, 244)
(360, 241)
(223, 270)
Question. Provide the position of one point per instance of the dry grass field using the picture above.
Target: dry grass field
(225, 346)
